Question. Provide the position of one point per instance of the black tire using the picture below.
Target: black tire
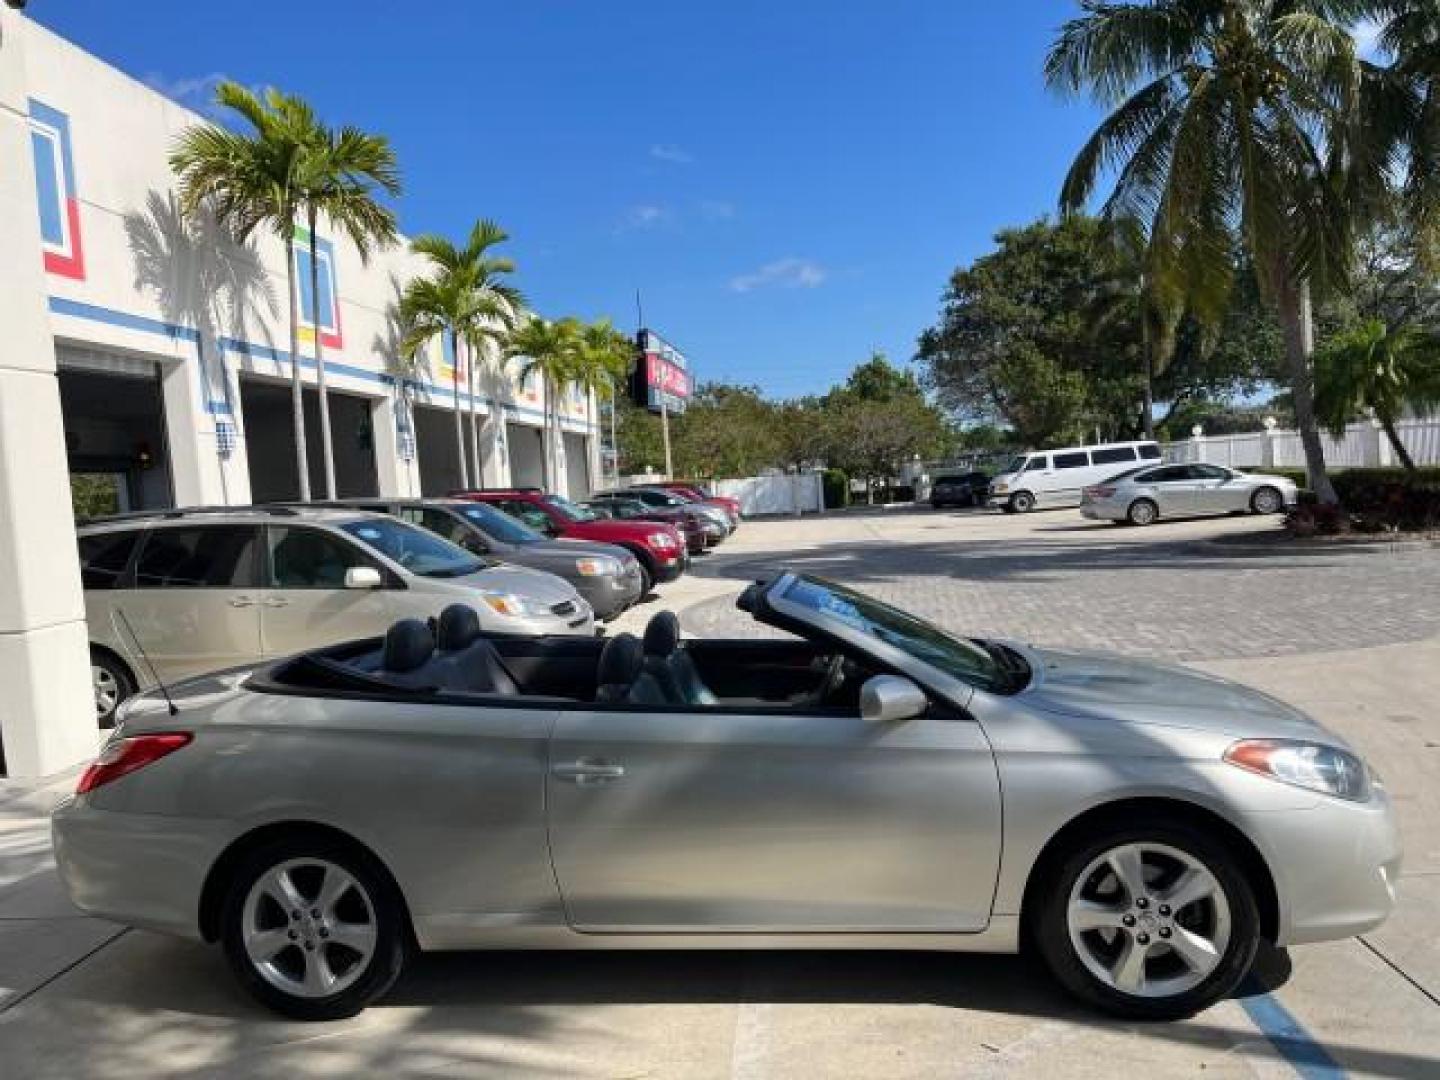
(647, 571)
(1142, 512)
(1049, 929)
(391, 932)
(112, 684)
(1267, 494)
(1022, 502)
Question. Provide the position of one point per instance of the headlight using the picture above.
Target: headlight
(513, 604)
(599, 566)
(1313, 766)
(1001, 488)
(661, 540)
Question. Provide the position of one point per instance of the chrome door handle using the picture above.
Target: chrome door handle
(242, 601)
(587, 771)
(276, 602)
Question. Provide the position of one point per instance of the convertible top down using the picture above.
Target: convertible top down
(841, 786)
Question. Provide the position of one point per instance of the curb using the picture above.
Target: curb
(1306, 547)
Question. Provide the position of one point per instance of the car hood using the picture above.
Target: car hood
(1104, 686)
(576, 549)
(633, 532)
(507, 577)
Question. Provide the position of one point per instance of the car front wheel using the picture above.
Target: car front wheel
(1267, 501)
(1022, 502)
(312, 930)
(1154, 922)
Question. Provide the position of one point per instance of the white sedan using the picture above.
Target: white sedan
(1141, 496)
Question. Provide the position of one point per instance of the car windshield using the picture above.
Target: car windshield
(1016, 463)
(979, 663)
(417, 550)
(570, 511)
(499, 525)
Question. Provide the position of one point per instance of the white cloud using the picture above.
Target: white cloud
(787, 273)
(716, 209)
(645, 216)
(195, 92)
(675, 155)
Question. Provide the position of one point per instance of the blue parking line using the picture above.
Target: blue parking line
(1289, 1037)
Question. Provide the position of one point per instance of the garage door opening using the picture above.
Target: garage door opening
(435, 450)
(577, 465)
(115, 442)
(526, 455)
(270, 443)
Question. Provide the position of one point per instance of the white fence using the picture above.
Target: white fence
(1363, 444)
(781, 493)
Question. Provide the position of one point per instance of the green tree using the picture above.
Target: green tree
(1236, 122)
(549, 351)
(1373, 367)
(466, 300)
(249, 181)
(604, 358)
(338, 177)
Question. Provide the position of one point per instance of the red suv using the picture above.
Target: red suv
(658, 546)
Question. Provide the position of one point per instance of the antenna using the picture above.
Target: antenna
(639, 312)
(169, 701)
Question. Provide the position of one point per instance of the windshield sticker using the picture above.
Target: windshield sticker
(368, 533)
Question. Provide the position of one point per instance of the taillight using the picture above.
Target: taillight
(122, 756)
(1099, 492)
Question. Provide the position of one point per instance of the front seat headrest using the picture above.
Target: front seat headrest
(662, 634)
(408, 645)
(621, 661)
(459, 625)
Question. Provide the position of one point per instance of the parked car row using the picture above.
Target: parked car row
(171, 594)
(1123, 482)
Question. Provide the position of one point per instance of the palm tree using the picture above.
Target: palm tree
(338, 177)
(548, 350)
(604, 357)
(468, 299)
(1235, 121)
(1371, 367)
(248, 180)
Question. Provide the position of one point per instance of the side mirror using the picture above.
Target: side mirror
(885, 699)
(363, 577)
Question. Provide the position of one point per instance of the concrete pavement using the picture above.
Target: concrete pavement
(79, 998)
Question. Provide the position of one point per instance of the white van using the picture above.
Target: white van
(1052, 478)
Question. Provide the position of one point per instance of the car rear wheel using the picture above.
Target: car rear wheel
(1142, 512)
(1022, 502)
(1267, 501)
(112, 685)
(313, 931)
(1153, 922)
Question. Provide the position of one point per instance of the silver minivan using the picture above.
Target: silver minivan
(206, 590)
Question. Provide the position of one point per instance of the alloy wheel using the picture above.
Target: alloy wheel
(1267, 501)
(309, 927)
(1148, 920)
(107, 691)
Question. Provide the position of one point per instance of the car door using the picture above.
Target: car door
(1215, 490)
(771, 820)
(305, 603)
(1173, 488)
(195, 604)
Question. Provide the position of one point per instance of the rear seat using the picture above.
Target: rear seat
(465, 660)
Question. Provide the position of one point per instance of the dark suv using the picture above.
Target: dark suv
(656, 545)
(960, 489)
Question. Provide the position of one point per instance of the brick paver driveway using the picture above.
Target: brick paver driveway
(1167, 591)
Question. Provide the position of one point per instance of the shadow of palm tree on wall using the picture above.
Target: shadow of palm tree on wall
(203, 280)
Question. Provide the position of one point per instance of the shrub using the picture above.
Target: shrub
(1392, 496)
(1317, 519)
(836, 486)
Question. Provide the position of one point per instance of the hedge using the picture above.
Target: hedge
(836, 487)
(1373, 500)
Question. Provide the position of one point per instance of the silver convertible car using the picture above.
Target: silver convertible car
(868, 781)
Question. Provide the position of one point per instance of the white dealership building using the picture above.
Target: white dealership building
(147, 356)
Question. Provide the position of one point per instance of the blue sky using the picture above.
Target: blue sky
(787, 183)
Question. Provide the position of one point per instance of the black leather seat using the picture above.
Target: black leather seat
(621, 676)
(671, 666)
(466, 661)
(405, 657)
